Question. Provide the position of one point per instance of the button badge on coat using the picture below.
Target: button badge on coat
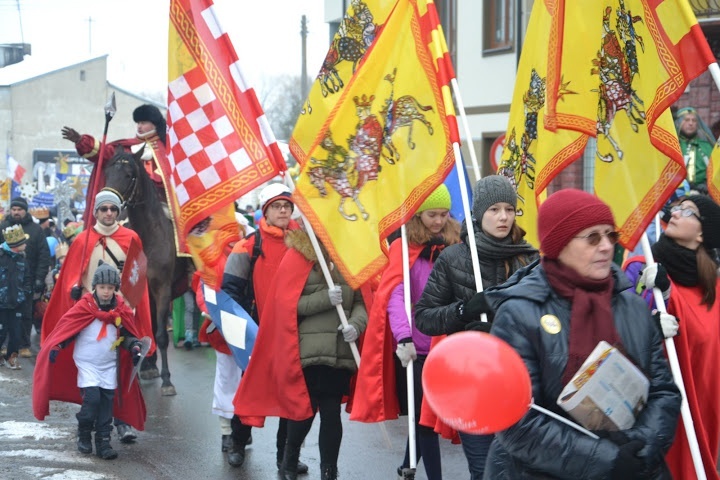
(551, 324)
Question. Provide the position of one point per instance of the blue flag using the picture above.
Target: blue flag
(235, 324)
(452, 182)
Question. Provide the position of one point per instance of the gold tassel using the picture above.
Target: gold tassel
(116, 343)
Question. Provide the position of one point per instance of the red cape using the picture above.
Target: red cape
(376, 395)
(428, 417)
(274, 384)
(71, 272)
(58, 381)
(698, 351)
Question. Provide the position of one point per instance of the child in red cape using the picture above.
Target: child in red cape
(79, 362)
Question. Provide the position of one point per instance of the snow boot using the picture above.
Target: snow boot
(84, 440)
(103, 448)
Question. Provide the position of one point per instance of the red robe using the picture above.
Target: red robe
(58, 381)
(72, 271)
(376, 395)
(376, 390)
(274, 384)
(698, 351)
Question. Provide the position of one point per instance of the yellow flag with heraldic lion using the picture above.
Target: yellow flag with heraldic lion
(382, 147)
(636, 59)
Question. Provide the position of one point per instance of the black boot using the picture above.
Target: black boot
(236, 455)
(103, 448)
(289, 467)
(226, 443)
(328, 472)
(84, 440)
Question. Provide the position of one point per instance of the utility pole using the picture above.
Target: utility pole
(303, 69)
(90, 20)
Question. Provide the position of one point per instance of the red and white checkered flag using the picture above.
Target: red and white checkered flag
(220, 145)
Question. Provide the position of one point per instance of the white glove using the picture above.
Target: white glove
(668, 323)
(655, 275)
(349, 333)
(406, 352)
(335, 294)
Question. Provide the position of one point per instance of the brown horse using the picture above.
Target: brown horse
(125, 174)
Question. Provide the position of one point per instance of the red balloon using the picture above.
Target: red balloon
(476, 383)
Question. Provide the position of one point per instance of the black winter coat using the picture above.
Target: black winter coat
(452, 281)
(37, 251)
(540, 447)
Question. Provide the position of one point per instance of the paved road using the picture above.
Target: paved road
(182, 437)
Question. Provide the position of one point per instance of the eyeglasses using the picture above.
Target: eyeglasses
(685, 211)
(281, 205)
(112, 209)
(594, 238)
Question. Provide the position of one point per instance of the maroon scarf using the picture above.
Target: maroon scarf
(591, 316)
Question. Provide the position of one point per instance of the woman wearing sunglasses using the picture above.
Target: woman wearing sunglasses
(450, 302)
(687, 274)
(554, 313)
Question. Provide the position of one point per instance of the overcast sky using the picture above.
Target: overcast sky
(265, 33)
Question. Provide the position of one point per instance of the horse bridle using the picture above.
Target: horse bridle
(132, 191)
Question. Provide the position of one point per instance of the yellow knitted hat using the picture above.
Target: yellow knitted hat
(440, 198)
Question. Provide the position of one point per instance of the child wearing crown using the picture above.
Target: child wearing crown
(80, 362)
(15, 287)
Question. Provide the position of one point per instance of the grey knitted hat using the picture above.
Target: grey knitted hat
(106, 196)
(106, 274)
(489, 191)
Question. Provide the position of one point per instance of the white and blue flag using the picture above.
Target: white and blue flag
(235, 324)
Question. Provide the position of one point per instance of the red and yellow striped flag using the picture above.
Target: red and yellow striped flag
(532, 155)
(220, 145)
(384, 142)
(635, 61)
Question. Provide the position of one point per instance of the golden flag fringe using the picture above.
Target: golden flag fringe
(382, 149)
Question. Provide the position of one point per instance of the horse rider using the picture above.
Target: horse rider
(110, 242)
(150, 135)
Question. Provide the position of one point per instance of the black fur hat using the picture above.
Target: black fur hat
(151, 113)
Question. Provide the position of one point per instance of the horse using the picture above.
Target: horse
(126, 175)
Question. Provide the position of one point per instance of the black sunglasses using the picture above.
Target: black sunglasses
(595, 237)
(112, 209)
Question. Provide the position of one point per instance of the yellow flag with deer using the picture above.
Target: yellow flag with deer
(532, 155)
(381, 150)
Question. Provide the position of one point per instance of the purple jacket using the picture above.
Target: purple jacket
(419, 273)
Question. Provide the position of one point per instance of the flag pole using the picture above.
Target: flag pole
(685, 413)
(466, 128)
(472, 244)
(410, 367)
(326, 273)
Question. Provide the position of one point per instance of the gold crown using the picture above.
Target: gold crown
(15, 235)
(41, 213)
(62, 250)
(72, 229)
(364, 101)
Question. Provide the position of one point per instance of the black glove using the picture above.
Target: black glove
(39, 286)
(628, 466)
(472, 309)
(479, 326)
(54, 352)
(135, 351)
(120, 266)
(76, 292)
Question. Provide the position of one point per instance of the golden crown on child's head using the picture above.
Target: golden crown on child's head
(41, 213)
(15, 236)
(61, 250)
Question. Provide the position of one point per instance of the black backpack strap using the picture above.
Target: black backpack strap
(249, 287)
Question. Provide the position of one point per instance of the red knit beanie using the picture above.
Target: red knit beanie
(564, 214)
